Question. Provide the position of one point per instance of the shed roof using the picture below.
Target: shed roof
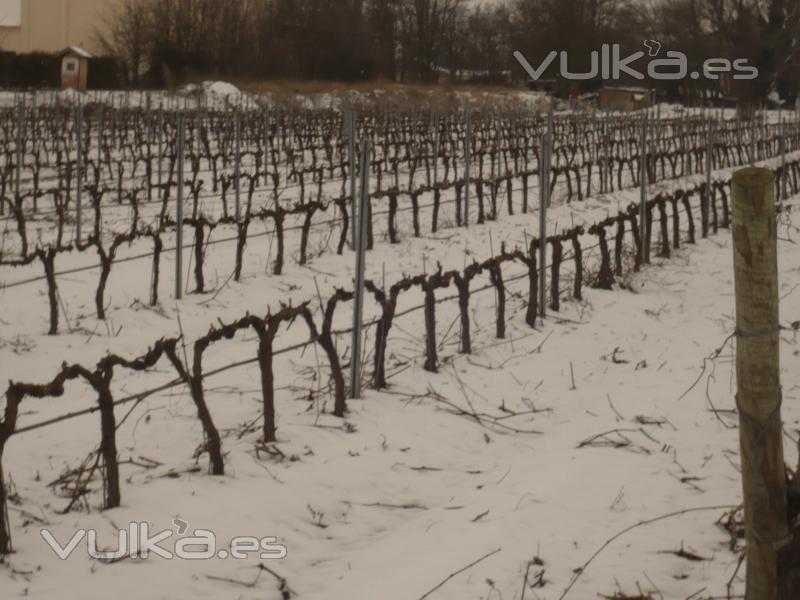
(77, 51)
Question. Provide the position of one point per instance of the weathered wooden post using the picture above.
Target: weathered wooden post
(758, 395)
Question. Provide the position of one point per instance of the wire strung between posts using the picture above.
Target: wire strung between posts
(138, 397)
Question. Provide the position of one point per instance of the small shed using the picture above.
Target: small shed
(625, 98)
(74, 68)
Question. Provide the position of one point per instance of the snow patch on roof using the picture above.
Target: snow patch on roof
(78, 51)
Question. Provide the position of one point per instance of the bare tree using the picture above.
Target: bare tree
(417, 40)
(577, 27)
(764, 32)
(125, 34)
(424, 26)
(483, 44)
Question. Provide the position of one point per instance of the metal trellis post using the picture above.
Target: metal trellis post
(643, 184)
(18, 165)
(179, 214)
(709, 169)
(544, 187)
(358, 300)
(237, 175)
(79, 173)
(782, 188)
(467, 161)
(436, 143)
(550, 144)
(159, 140)
(350, 131)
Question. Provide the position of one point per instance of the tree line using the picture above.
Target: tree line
(428, 41)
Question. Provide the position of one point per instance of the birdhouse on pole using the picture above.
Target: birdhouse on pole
(74, 68)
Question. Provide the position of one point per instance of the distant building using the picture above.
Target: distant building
(50, 25)
(625, 98)
(74, 68)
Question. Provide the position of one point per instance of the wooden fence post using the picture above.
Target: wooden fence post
(758, 377)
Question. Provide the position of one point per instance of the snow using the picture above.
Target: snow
(411, 488)
(221, 94)
(77, 50)
(220, 88)
(545, 496)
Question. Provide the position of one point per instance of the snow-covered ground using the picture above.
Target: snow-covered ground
(591, 456)
(221, 94)
(217, 95)
(413, 487)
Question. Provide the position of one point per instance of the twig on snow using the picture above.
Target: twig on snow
(456, 573)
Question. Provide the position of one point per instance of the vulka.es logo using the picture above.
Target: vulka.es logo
(609, 64)
(139, 543)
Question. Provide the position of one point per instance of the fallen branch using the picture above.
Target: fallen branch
(580, 571)
(455, 573)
